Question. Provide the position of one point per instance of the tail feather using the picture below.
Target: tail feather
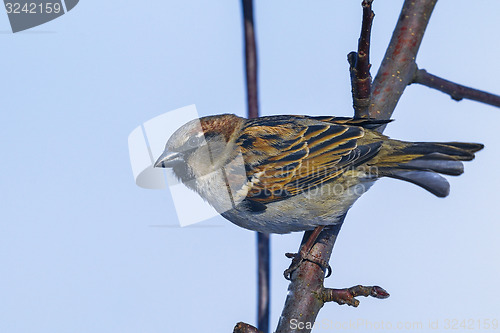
(458, 150)
(429, 180)
(421, 162)
(447, 167)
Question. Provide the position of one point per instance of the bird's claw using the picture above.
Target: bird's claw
(298, 258)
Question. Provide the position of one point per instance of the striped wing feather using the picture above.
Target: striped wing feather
(283, 159)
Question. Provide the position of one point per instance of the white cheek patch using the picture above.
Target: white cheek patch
(248, 186)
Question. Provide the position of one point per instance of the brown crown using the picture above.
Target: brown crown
(224, 124)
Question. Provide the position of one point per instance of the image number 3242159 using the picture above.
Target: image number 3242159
(26, 14)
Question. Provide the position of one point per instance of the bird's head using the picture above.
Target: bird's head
(201, 146)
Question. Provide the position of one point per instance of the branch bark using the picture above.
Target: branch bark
(263, 240)
(398, 67)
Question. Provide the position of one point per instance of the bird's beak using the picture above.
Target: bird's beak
(169, 159)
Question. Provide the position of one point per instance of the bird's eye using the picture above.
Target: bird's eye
(195, 141)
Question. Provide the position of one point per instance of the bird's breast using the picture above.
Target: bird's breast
(322, 205)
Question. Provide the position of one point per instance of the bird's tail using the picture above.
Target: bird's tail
(421, 163)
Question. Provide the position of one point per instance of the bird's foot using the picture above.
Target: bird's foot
(298, 258)
(347, 295)
(305, 254)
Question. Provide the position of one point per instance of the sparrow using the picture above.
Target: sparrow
(280, 174)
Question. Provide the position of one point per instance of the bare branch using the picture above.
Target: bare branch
(456, 91)
(263, 241)
(361, 80)
(250, 59)
(263, 269)
(398, 67)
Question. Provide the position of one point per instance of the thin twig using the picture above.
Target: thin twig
(250, 59)
(456, 91)
(398, 67)
(263, 240)
(263, 264)
(347, 295)
(361, 80)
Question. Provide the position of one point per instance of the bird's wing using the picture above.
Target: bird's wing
(287, 155)
(369, 123)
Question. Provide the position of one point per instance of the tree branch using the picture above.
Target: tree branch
(250, 59)
(398, 67)
(263, 241)
(456, 91)
(306, 291)
(264, 269)
(361, 80)
(303, 303)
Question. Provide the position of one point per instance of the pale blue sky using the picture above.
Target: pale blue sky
(79, 250)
